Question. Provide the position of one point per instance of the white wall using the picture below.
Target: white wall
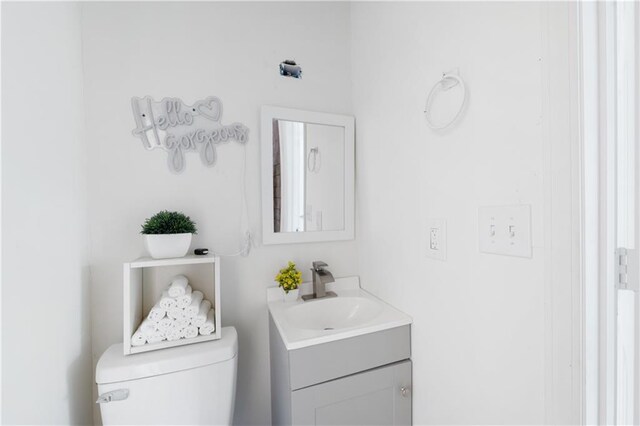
(191, 51)
(46, 362)
(490, 340)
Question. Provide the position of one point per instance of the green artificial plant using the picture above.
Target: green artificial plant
(166, 222)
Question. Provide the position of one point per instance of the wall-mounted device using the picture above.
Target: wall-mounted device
(289, 68)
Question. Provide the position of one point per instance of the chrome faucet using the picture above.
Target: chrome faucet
(320, 278)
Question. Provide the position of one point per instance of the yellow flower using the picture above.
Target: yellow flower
(289, 278)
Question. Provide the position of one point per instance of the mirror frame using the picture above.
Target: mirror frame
(268, 114)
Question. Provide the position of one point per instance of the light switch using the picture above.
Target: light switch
(505, 230)
(437, 239)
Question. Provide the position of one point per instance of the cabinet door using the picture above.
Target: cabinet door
(375, 397)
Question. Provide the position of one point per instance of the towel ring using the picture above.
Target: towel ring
(447, 82)
(315, 168)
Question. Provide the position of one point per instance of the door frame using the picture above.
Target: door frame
(598, 163)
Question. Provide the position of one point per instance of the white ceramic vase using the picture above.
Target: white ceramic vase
(292, 296)
(164, 246)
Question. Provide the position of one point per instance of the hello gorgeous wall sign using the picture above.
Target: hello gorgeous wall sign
(177, 128)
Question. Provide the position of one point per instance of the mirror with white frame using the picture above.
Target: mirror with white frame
(308, 167)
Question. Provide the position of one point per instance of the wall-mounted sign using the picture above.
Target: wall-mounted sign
(177, 128)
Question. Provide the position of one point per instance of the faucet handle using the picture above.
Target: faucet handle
(319, 265)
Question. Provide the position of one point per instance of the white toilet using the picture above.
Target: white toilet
(186, 385)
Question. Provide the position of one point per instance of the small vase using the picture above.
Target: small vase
(164, 246)
(292, 296)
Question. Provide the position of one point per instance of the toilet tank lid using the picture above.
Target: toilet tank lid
(115, 367)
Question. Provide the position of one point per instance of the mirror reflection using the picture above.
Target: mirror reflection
(308, 177)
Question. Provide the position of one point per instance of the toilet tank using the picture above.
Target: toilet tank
(192, 384)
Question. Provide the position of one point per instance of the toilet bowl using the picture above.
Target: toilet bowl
(191, 384)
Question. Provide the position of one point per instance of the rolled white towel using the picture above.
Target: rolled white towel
(193, 309)
(178, 286)
(173, 333)
(182, 322)
(190, 331)
(201, 317)
(138, 339)
(148, 327)
(209, 326)
(185, 300)
(167, 302)
(156, 337)
(165, 324)
(156, 313)
(176, 313)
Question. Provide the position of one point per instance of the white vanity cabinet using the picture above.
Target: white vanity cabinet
(375, 397)
(361, 380)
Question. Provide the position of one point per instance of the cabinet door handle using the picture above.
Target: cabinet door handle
(404, 391)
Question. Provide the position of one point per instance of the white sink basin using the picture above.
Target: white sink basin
(352, 313)
(333, 314)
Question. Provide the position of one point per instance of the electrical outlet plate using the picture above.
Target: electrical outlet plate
(437, 239)
(505, 230)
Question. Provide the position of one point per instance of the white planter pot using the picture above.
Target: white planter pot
(292, 296)
(164, 246)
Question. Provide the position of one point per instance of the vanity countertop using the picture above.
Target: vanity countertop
(352, 313)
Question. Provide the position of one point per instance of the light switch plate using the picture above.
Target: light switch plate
(505, 230)
(437, 239)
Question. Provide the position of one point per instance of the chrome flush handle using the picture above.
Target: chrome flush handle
(116, 395)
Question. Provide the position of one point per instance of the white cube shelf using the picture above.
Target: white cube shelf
(146, 278)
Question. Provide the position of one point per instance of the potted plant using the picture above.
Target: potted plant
(289, 279)
(168, 234)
